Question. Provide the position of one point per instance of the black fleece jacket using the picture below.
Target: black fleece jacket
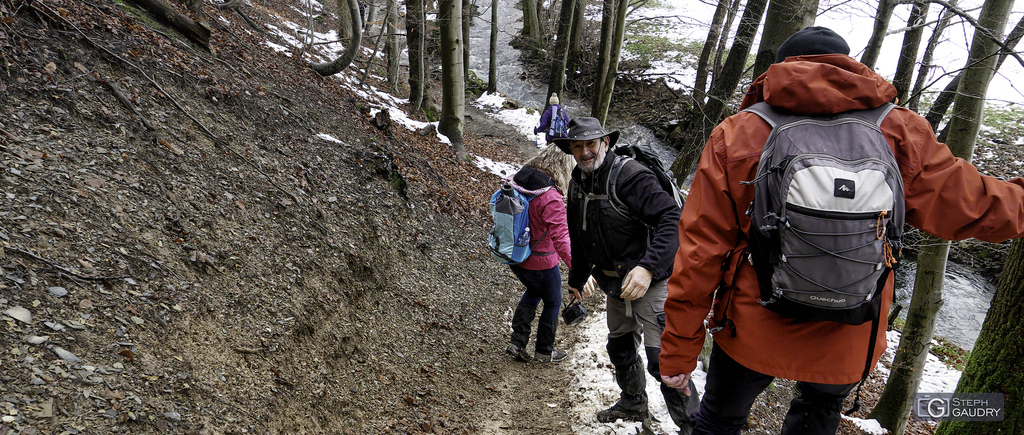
(609, 237)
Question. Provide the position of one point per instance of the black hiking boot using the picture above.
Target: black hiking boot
(555, 356)
(616, 412)
(517, 353)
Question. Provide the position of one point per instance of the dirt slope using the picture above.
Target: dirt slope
(229, 271)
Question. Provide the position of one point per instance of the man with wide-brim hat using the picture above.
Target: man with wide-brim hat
(628, 249)
(584, 129)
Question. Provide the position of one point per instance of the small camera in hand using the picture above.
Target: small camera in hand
(574, 313)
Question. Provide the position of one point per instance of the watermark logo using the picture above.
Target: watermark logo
(936, 407)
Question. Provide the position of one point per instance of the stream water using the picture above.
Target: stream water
(513, 82)
(966, 294)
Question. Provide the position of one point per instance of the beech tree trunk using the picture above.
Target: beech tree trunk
(492, 70)
(467, 20)
(730, 16)
(575, 57)
(414, 28)
(342, 62)
(556, 82)
(926, 59)
(531, 24)
(721, 89)
(344, 20)
(893, 407)
(710, 44)
(391, 48)
(783, 19)
(603, 54)
(908, 53)
(615, 51)
(453, 84)
(882, 16)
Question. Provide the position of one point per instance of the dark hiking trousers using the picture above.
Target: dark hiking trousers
(732, 388)
(541, 286)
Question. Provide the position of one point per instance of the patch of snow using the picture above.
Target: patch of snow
(868, 426)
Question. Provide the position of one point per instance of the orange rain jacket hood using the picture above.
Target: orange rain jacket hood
(945, 196)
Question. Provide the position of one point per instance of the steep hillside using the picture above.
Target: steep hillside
(225, 242)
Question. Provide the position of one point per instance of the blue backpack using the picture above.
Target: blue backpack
(558, 124)
(509, 240)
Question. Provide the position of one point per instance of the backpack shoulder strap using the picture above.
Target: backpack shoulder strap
(763, 110)
(614, 175)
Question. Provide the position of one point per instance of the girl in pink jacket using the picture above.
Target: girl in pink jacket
(544, 178)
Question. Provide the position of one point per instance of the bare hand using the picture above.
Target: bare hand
(681, 382)
(575, 294)
(636, 283)
(590, 286)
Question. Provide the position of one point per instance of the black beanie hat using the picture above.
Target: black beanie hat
(812, 40)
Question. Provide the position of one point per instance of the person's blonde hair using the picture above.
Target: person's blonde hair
(553, 99)
(555, 164)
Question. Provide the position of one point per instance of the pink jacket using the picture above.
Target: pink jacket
(547, 214)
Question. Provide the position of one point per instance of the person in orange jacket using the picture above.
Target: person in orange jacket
(944, 196)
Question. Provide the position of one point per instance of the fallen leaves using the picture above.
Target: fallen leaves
(174, 149)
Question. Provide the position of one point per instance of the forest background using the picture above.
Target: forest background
(202, 234)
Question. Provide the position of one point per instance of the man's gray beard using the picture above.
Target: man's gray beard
(586, 171)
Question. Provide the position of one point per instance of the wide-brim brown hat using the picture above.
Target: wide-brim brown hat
(585, 128)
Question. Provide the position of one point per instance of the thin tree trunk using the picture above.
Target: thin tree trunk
(882, 16)
(453, 86)
(391, 48)
(996, 365)
(722, 88)
(783, 19)
(531, 26)
(603, 54)
(926, 59)
(703, 63)
(342, 62)
(575, 58)
(908, 53)
(892, 409)
(468, 6)
(371, 13)
(945, 98)
(344, 20)
(492, 70)
(414, 28)
(615, 52)
(730, 16)
(892, 412)
(556, 82)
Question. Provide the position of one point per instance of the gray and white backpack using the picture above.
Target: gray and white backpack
(827, 214)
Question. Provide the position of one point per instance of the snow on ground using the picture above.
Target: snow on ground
(597, 390)
(592, 371)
